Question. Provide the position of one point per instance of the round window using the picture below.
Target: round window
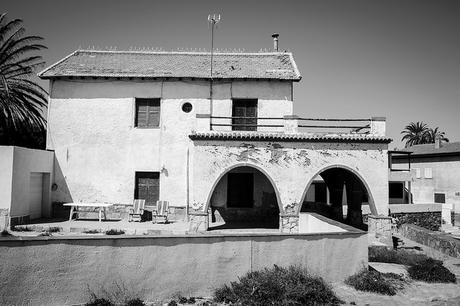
(187, 107)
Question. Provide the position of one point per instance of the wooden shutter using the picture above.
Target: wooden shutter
(244, 108)
(147, 112)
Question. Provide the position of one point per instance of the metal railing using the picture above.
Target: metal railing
(312, 125)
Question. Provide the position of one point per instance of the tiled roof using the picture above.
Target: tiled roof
(91, 63)
(266, 136)
(429, 149)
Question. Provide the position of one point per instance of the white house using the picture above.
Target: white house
(156, 125)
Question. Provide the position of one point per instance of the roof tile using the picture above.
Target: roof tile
(91, 63)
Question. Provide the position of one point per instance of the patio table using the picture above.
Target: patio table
(74, 208)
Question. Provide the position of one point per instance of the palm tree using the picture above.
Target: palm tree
(21, 99)
(415, 133)
(433, 134)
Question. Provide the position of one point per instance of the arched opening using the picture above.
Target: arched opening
(244, 197)
(339, 194)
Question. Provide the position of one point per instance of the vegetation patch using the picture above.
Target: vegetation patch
(21, 228)
(428, 220)
(402, 257)
(92, 231)
(115, 294)
(277, 286)
(5, 233)
(115, 232)
(373, 281)
(431, 271)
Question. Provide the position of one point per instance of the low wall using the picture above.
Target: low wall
(315, 223)
(439, 241)
(415, 208)
(58, 271)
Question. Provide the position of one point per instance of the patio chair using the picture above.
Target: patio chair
(161, 211)
(136, 212)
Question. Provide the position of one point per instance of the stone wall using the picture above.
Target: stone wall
(439, 241)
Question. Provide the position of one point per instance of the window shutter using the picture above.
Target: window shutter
(147, 112)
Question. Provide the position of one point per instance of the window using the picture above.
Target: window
(147, 112)
(240, 190)
(440, 198)
(187, 107)
(428, 173)
(417, 173)
(244, 113)
(147, 187)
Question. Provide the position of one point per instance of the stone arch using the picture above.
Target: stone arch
(347, 168)
(238, 165)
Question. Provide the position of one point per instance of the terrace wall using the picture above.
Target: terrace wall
(58, 271)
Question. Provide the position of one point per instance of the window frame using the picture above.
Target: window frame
(146, 174)
(137, 100)
(235, 119)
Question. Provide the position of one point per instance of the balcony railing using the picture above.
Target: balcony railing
(292, 124)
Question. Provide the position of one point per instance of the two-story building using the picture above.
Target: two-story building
(221, 149)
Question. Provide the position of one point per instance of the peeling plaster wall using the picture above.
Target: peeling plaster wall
(290, 166)
(98, 149)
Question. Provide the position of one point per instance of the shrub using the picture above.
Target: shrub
(92, 231)
(116, 293)
(5, 233)
(135, 302)
(115, 232)
(277, 286)
(99, 302)
(431, 271)
(402, 257)
(373, 281)
(428, 220)
(53, 229)
(18, 228)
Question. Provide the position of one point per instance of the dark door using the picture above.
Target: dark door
(240, 190)
(244, 115)
(147, 187)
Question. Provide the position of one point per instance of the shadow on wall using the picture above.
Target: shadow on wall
(60, 193)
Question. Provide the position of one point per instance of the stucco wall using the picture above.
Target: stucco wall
(98, 149)
(6, 176)
(16, 165)
(54, 271)
(290, 167)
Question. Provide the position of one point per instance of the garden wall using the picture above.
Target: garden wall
(439, 241)
(59, 271)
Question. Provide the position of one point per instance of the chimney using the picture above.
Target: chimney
(437, 142)
(275, 41)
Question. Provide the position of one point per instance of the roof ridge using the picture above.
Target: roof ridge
(179, 52)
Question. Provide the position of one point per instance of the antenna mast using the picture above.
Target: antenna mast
(213, 20)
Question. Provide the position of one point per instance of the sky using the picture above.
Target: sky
(358, 58)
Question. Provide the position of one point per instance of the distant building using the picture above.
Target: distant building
(435, 172)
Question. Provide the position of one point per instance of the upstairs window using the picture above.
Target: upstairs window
(244, 115)
(147, 112)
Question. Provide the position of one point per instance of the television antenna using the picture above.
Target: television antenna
(213, 20)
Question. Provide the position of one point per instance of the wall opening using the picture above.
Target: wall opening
(244, 197)
(338, 194)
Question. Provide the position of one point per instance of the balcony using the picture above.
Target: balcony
(290, 128)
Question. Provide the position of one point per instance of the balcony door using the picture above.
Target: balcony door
(244, 113)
